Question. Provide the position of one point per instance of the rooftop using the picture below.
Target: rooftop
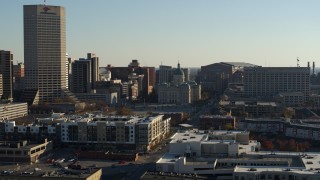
(240, 64)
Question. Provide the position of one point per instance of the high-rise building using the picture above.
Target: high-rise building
(81, 76)
(148, 73)
(6, 69)
(85, 74)
(1, 89)
(45, 50)
(165, 74)
(94, 68)
(18, 74)
(267, 82)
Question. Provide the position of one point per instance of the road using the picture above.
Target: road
(194, 120)
(134, 170)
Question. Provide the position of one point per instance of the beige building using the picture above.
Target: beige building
(135, 133)
(13, 110)
(230, 155)
(23, 151)
(179, 91)
(45, 50)
(267, 82)
(185, 93)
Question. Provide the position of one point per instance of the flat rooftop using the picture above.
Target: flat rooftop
(46, 171)
(201, 135)
(305, 163)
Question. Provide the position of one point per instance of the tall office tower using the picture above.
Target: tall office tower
(266, 82)
(6, 69)
(70, 61)
(165, 74)
(1, 90)
(18, 74)
(94, 68)
(45, 50)
(81, 76)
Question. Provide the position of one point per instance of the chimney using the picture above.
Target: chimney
(313, 66)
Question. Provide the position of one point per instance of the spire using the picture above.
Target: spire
(178, 65)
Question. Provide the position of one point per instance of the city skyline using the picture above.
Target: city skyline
(268, 33)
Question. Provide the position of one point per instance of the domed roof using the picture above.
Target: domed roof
(178, 71)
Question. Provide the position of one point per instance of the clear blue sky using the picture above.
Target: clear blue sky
(194, 32)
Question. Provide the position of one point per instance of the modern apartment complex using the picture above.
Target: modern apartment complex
(6, 69)
(270, 81)
(45, 50)
(120, 132)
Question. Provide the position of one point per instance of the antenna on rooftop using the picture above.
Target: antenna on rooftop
(298, 62)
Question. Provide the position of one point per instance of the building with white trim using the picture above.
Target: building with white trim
(231, 155)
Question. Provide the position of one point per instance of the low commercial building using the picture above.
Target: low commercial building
(109, 98)
(10, 111)
(22, 151)
(292, 99)
(51, 173)
(253, 108)
(296, 128)
(211, 122)
(231, 155)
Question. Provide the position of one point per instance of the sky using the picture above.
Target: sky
(192, 32)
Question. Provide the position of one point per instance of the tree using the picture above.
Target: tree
(292, 145)
(228, 126)
(123, 111)
(268, 145)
